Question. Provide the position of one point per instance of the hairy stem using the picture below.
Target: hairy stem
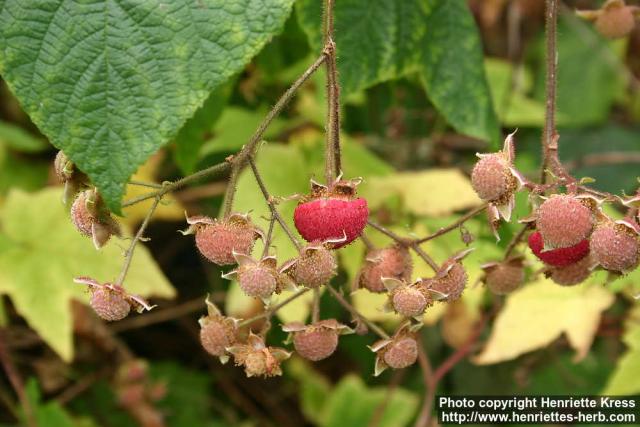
(270, 202)
(129, 253)
(459, 222)
(333, 162)
(356, 314)
(271, 311)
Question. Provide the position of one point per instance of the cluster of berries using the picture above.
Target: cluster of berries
(571, 234)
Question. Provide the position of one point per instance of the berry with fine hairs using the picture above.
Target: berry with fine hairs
(257, 278)
(217, 240)
(560, 257)
(491, 177)
(257, 359)
(615, 19)
(571, 274)
(316, 341)
(93, 219)
(451, 279)
(109, 305)
(563, 221)
(332, 213)
(217, 332)
(315, 266)
(408, 300)
(392, 262)
(504, 277)
(111, 301)
(397, 352)
(615, 246)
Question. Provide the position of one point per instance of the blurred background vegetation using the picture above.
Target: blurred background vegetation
(545, 339)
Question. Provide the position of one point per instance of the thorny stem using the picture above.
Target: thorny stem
(356, 314)
(269, 201)
(271, 311)
(333, 162)
(145, 184)
(240, 157)
(239, 161)
(129, 253)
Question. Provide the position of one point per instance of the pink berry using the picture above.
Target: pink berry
(563, 221)
(491, 178)
(451, 280)
(615, 21)
(315, 266)
(615, 247)
(217, 240)
(410, 301)
(257, 280)
(216, 334)
(558, 257)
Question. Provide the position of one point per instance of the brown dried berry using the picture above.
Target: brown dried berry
(572, 274)
(450, 280)
(257, 358)
(315, 266)
(393, 262)
(615, 20)
(109, 305)
(402, 352)
(563, 221)
(504, 277)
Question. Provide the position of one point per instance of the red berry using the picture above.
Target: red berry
(571, 274)
(615, 247)
(332, 213)
(557, 257)
(505, 277)
(110, 305)
(393, 262)
(491, 178)
(563, 221)
(217, 240)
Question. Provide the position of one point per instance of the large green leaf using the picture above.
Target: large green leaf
(41, 253)
(625, 378)
(110, 81)
(381, 40)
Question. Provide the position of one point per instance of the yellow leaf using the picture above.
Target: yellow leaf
(169, 209)
(624, 380)
(41, 253)
(539, 313)
(434, 192)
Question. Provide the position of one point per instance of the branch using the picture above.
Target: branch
(129, 253)
(408, 243)
(458, 223)
(271, 311)
(273, 209)
(356, 314)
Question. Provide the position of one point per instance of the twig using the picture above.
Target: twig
(271, 311)
(453, 226)
(248, 150)
(356, 314)
(269, 238)
(408, 243)
(515, 240)
(129, 253)
(315, 311)
(145, 184)
(16, 381)
(270, 203)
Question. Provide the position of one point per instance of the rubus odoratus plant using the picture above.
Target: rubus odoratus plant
(568, 229)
